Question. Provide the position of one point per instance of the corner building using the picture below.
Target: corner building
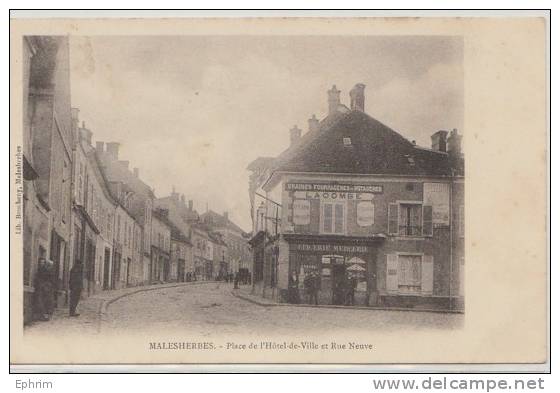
(364, 208)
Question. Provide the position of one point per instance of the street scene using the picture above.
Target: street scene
(166, 192)
(212, 310)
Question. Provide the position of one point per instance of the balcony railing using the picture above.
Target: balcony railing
(410, 230)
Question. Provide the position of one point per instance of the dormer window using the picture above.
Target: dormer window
(410, 160)
(347, 141)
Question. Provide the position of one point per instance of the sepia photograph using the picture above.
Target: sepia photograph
(195, 194)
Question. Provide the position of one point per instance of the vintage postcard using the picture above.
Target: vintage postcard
(336, 192)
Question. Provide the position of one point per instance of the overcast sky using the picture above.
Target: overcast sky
(193, 112)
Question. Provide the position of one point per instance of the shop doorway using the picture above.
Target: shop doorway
(338, 284)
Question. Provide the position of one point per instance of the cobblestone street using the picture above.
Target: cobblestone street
(210, 309)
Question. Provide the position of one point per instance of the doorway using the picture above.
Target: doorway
(106, 269)
(181, 270)
(128, 266)
(338, 284)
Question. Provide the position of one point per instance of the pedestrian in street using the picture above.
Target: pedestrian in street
(293, 288)
(308, 283)
(236, 281)
(44, 291)
(316, 286)
(352, 286)
(76, 285)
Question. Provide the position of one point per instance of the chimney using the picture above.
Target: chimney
(100, 146)
(226, 216)
(183, 199)
(85, 133)
(190, 205)
(113, 150)
(454, 143)
(75, 113)
(334, 99)
(313, 124)
(136, 172)
(439, 141)
(295, 135)
(357, 97)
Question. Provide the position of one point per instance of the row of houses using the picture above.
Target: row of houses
(376, 217)
(83, 203)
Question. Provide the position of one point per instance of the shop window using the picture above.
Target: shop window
(332, 218)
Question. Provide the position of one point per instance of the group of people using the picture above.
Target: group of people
(46, 288)
(189, 276)
(343, 290)
(311, 286)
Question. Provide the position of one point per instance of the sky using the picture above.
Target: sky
(191, 112)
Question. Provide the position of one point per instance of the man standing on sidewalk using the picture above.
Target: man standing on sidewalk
(76, 285)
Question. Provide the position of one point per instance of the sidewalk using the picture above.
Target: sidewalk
(244, 292)
(92, 310)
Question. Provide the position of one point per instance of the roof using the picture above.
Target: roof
(213, 236)
(186, 214)
(115, 171)
(216, 238)
(216, 220)
(260, 162)
(162, 217)
(177, 234)
(372, 148)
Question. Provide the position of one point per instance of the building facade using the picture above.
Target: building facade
(181, 217)
(378, 219)
(46, 162)
(140, 201)
(239, 256)
(182, 263)
(161, 247)
(203, 252)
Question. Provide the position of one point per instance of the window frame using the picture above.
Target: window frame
(333, 203)
(420, 204)
(419, 286)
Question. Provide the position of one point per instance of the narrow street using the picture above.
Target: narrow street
(211, 309)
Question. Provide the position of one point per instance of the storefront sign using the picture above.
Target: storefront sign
(332, 195)
(321, 187)
(330, 248)
(302, 212)
(364, 213)
(437, 195)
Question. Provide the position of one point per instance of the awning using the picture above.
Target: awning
(355, 268)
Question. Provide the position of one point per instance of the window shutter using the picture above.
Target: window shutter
(427, 224)
(427, 274)
(393, 219)
(392, 273)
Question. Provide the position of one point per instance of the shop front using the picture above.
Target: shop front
(341, 270)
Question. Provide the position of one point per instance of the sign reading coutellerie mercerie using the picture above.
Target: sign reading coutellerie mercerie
(355, 188)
